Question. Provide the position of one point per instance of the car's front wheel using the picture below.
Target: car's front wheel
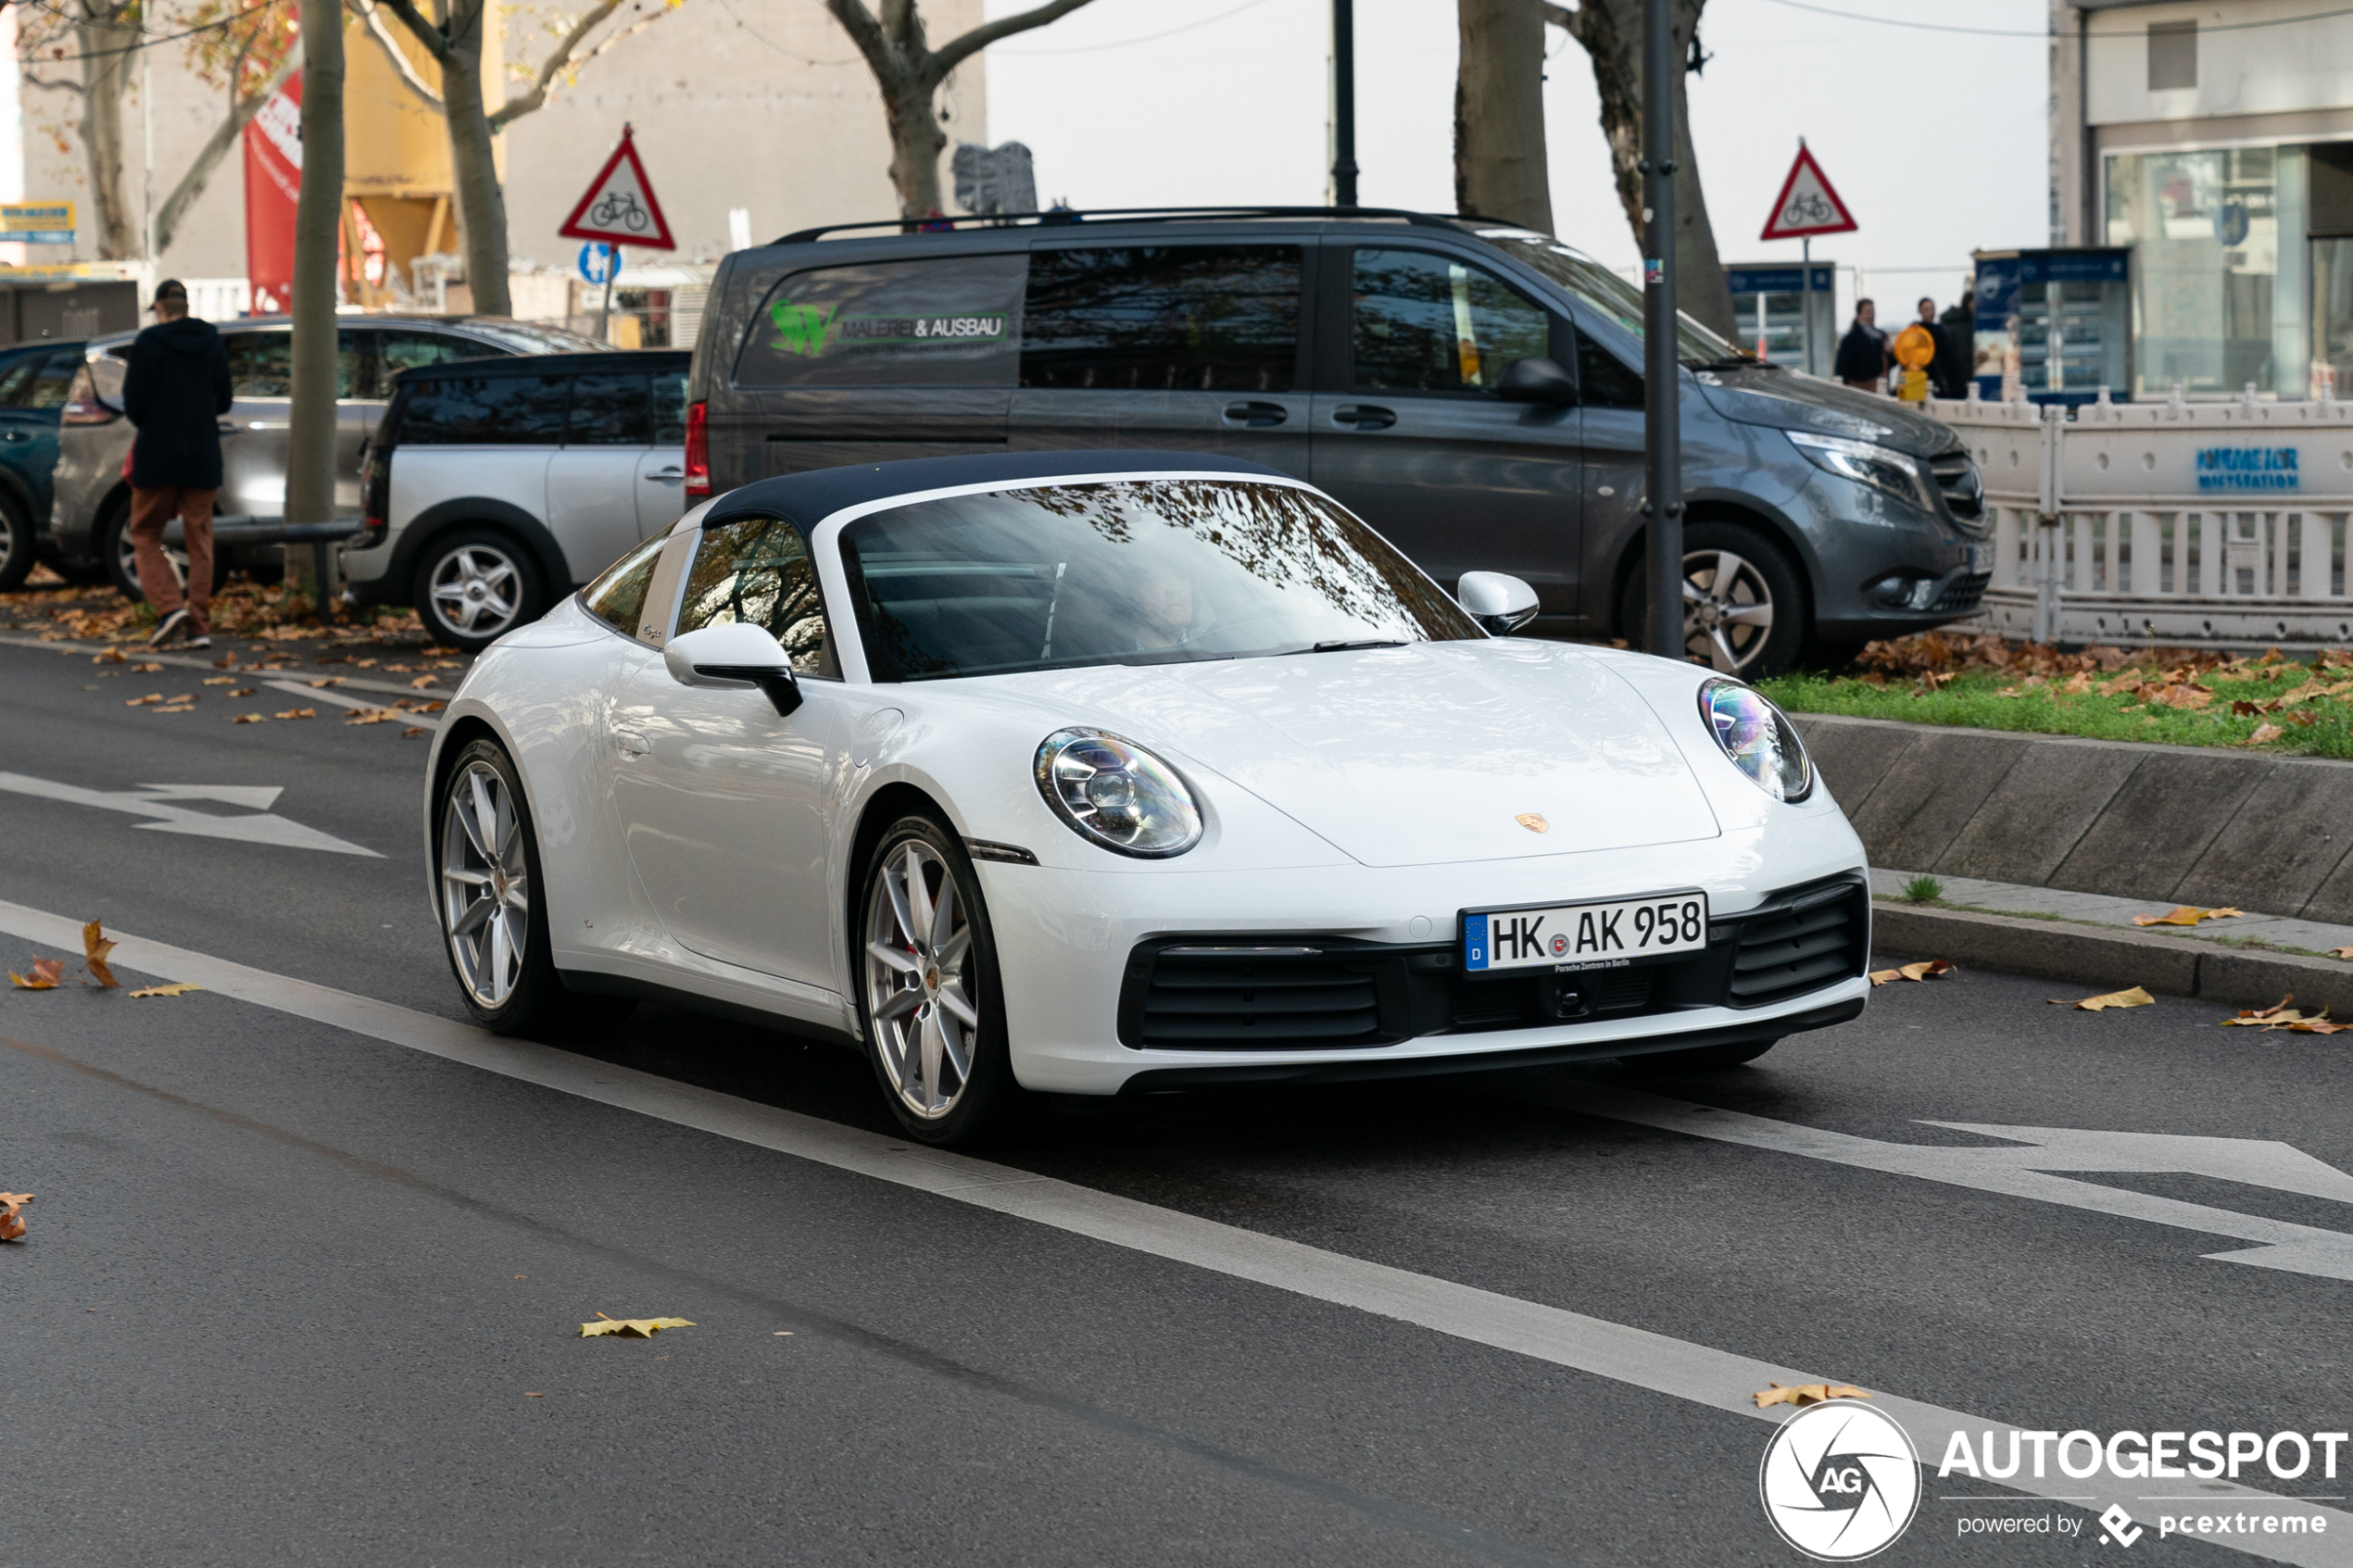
(16, 544)
(474, 586)
(493, 909)
(1744, 602)
(928, 998)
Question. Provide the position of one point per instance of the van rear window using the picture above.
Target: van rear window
(1162, 318)
(945, 321)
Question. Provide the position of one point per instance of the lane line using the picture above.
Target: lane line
(264, 827)
(329, 694)
(181, 661)
(1701, 1375)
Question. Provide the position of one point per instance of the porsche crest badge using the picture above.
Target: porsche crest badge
(1533, 821)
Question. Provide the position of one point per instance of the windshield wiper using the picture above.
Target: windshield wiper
(1731, 362)
(1352, 645)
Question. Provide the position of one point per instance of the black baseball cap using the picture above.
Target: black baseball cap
(172, 288)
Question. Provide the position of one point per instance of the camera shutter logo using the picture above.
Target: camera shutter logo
(1840, 1481)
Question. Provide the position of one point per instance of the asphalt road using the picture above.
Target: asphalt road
(295, 1293)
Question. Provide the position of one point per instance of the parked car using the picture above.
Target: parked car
(1473, 391)
(1111, 772)
(493, 487)
(33, 382)
(92, 506)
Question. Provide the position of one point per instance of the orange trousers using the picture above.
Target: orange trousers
(151, 512)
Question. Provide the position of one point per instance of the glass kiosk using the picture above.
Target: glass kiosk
(1774, 303)
(2053, 326)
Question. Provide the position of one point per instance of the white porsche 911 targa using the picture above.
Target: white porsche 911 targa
(1092, 774)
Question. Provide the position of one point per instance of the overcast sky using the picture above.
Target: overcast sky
(1936, 140)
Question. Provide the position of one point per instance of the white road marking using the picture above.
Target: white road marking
(134, 653)
(340, 701)
(1699, 1373)
(263, 828)
(252, 798)
(2022, 1172)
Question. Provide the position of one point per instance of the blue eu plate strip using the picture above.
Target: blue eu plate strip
(1474, 941)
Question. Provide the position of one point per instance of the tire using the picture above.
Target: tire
(16, 545)
(1702, 1059)
(1753, 572)
(474, 586)
(925, 994)
(510, 986)
(120, 560)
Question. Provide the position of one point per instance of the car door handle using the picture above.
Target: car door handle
(632, 744)
(1256, 416)
(1364, 416)
(667, 475)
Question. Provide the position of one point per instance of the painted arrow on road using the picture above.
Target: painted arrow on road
(158, 801)
(2024, 1167)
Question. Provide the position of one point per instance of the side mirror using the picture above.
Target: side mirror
(1536, 381)
(735, 654)
(1501, 605)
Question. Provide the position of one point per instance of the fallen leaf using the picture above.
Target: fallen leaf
(244, 691)
(2188, 698)
(413, 732)
(112, 655)
(95, 946)
(1882, 976)
(2272, 1011)
(1926, 970)
(248, 719)
(2302, 721)
(219, 680)
(373, 716)
(2341, 952)
(2188, 914)
(46, 972)
(423, 681)
(298, 713)
(12, 1227)
(2136, 997)
(2263, 733)
(143, 702)
(146, 670)
(1806, 1394)
(2315, 1026)
(331, 680)
(178, 988)
(529, 1395)
(185, 707)
(630, 1328)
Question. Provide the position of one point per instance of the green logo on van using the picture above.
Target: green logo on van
(800, 328)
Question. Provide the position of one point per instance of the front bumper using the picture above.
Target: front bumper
(1068, 943)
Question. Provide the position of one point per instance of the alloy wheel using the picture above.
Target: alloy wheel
(476, 590)
(127, 559)
(919, 985)
(1728, 610)
(485, 884)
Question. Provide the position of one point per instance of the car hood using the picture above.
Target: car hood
(1418, 755)
(1786, 401)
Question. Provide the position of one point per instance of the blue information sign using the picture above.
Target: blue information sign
(599, 261)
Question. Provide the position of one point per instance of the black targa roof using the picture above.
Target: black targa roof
(807, 499)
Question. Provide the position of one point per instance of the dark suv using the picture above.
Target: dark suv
(1473, 389)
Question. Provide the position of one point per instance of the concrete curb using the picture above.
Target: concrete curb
(2111, 960)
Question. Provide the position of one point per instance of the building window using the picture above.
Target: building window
(2172, 56)
(2219, 268)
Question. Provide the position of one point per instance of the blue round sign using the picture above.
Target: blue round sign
(599, 261)
(2230, 223)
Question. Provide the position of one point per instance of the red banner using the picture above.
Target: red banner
(273, 184)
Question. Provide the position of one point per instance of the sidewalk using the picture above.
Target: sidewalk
(2310, 936)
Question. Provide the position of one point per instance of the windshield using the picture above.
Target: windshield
(1128, 571)
(1610, 295)
(524, 337)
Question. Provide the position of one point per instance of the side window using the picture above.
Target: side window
(759, 571)
(261, 364)
(618, 597)
(670, 407)
(952, 321)
(406, 351)
(1424, 322)
(15, 383)
(53, 381)
(1602, 379)
(609, 410)
(453, 411)
(1163, 318)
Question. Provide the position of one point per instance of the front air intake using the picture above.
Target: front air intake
(1800, 941)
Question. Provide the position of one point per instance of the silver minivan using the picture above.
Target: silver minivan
(91, 509)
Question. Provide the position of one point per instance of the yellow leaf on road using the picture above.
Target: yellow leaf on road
(630, 1328)
(423, 681)
(219, 680)
(2188, 914)
(297, 713)
(332, 681)
(1806, 1394)
(178, 988)
(94, 949)
(12, 1227)
(1926, 969)
(143, 702)
(248, 719)
(2136, 997)
(46, 972)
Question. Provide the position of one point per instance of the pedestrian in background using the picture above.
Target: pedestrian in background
(175, 387)
(1862, 353)
(1960, 341)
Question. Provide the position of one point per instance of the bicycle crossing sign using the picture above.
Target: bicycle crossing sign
(620, 208)
(1806, 204)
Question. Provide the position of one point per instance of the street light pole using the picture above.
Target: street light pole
(1343, 103)
(1662, 386)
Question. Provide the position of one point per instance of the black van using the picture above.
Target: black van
(1373, 353)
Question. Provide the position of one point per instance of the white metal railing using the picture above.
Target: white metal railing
(2166, 523)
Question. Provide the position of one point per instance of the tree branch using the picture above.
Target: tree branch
(402, 66)
(1559, 16)
(882, 58)
(242, 109)
(956, 51)
(427, 34)
(32, 81)
(560, 61)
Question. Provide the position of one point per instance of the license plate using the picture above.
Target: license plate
(1575, 936)
(1981, 558)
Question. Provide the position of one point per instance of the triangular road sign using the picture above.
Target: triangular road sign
(1806, 204)
(620, 208)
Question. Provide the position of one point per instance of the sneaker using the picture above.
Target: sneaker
(171, 628)
(199, 641)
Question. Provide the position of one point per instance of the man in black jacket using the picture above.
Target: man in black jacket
(1960, 341)
(175, 388)
(1862, 354)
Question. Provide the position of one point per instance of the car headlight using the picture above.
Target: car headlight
(1115, 793)
(1758, 737)
(1881, 468)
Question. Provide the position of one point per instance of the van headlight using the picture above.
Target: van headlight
(1758, 738)
(1881, 468)
(1116, 793)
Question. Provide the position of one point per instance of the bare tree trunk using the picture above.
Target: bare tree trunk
(1499, 114)
(225, 136)
(310, 458)
(482, 206)
(108, 43)
(916, 143)
(1611, 33)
